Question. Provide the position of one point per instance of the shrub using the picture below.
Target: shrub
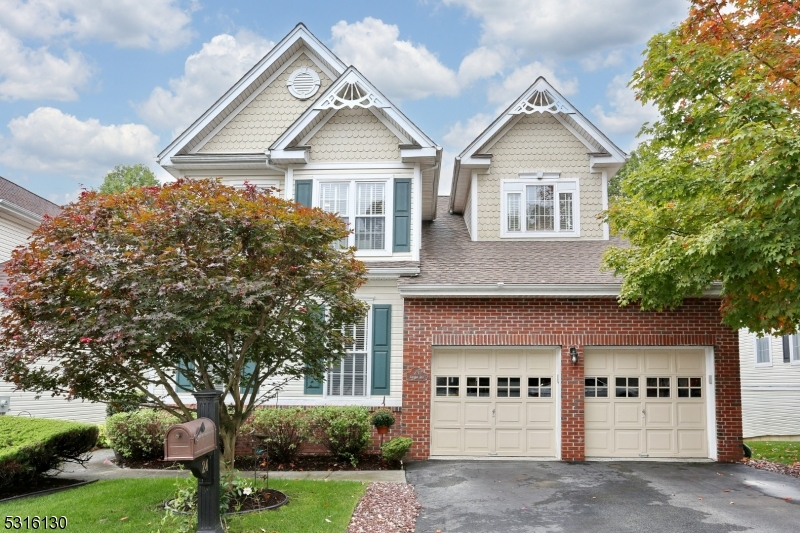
(31, 446)
(344, 431)
(102, 437)
(382, 417)
(139, 435)
(286, 430)
(395, 449)
(127, 404)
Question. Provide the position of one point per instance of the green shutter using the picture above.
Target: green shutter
(302, 192)
(183, 384)
(381, 348)
(311, 385)
(247, 372)
(402, 215)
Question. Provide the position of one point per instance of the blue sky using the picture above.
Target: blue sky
(89, 84)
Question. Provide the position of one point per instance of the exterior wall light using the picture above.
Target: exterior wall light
(573, 355)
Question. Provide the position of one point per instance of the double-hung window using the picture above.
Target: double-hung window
(763, 352)
(348, 377)
(535, 207)
(794, 348)
(363, 206)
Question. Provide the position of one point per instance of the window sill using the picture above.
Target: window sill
(764, 365)
(539, 235)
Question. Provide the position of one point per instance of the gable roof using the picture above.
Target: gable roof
(298, 38)
(540, 97)
(12, 195)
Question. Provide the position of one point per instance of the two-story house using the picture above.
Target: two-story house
(492, 330)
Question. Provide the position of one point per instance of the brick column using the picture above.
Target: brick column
(572, 421)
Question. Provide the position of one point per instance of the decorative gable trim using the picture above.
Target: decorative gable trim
(299, 37)
(541, 101)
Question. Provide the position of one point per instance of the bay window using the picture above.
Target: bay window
(542, 207)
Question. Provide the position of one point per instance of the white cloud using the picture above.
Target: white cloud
(571, 27)
(597, 61)
(627, 115)
(483, 62)
(460, 135)
(521, 78)
(400, 69)
(207, 75)
(48, 140)
(159, 24)
(26, 73)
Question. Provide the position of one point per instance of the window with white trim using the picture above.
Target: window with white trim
(540, 206)
(362, 205)
(794, 348)
(763, 355)
(349, 376)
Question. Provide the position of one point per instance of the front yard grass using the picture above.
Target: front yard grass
(133, 505)
(778, 451)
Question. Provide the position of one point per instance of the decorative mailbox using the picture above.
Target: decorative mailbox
(191, 440)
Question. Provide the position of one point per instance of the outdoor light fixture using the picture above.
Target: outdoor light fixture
(573, 355)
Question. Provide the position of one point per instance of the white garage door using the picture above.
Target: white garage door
(645, 403)
(494, 402)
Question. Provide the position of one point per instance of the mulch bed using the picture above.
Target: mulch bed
(386, 508)
(769, 466)
(258, 501)
(303, 463)
(38, 485)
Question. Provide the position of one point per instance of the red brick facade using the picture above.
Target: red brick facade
(431, 322)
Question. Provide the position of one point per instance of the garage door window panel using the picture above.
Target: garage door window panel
(658, 387)
(596, 387)
(478, 387)
(627, 387)
(447, 385)
(508, 387)
(540, 387)
(690, 387)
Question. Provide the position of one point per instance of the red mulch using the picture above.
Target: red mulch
(793, 470)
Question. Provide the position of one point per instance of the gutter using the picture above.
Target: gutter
(503, 290)
(400, 271)
(20, 212)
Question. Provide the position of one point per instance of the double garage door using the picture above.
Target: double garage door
(646, 402)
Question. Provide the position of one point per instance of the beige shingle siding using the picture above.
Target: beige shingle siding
(354, 135)
(538, 142)
(265, 118)
(771, 394)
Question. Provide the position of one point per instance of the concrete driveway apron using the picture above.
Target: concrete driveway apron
(600, 497)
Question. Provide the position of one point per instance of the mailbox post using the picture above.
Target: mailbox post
(196, 443)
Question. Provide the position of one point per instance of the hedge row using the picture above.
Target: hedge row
(30, 447)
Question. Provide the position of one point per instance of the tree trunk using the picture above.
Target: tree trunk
(228, 438)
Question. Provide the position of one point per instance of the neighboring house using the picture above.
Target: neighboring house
(770, 369)
(21, 212)
(478, 300)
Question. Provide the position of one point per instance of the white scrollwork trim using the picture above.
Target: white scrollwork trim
(540, 102)
(350, 95)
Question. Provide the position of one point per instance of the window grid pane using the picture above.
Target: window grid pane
(565, 211)
(762, 350)
(370, 216)
(796, 347)
(539, 387)
(349, 376)
(447, 385)
(596, 387)
(540, 208)
(514, 201)
(690, 387)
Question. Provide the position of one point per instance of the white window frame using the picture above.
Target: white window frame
(768, 340)
(368, 366)
(353, 179)
(518, 186)
(794, 352)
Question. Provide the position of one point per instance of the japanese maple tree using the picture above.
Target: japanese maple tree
(117, 292)
(715, 192)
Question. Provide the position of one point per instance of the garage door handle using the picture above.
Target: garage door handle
(643, 413)
(492, 413)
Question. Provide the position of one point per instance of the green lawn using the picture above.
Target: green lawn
(777, 451)
(131, 505)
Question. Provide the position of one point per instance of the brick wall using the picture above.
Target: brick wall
(563, 322)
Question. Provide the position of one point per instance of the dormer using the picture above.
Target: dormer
(540, 171)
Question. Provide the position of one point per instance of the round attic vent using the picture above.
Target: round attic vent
(303, 83)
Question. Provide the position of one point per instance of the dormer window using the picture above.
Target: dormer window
(540, 206)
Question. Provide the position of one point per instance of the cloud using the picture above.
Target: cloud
(521, 78)
(627, 115)
(595, 62)
(207, 75)
(484, 62)
(26, 73)
(460, 135)
(161, 24)
(48, 140)
(401, 69)
(570, 27)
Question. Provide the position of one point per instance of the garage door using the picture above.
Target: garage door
(494, 402)
(645, 403)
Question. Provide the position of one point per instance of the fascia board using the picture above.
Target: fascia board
(289, 157)
(29, 217)
(500, 290)
(405, 271)
(476, 162)
(300, 32)
(419, 152)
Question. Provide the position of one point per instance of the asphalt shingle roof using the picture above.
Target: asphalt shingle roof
(25, 199)
(449, 257)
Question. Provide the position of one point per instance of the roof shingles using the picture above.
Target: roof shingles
(25, 199)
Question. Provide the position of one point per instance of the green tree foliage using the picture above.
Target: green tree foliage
(714, 196)
(123, 289)
(123, 177)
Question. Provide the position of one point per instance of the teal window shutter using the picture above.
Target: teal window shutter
(381, 348)
(302, 192)
(402, 215)
(183, 384)
(247, 372)
(311, 385)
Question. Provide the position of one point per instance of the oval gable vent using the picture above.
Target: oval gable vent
(303, 83)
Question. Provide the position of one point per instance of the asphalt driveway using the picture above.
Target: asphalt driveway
(640, 497)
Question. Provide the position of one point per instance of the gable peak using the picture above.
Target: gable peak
(541, 100)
